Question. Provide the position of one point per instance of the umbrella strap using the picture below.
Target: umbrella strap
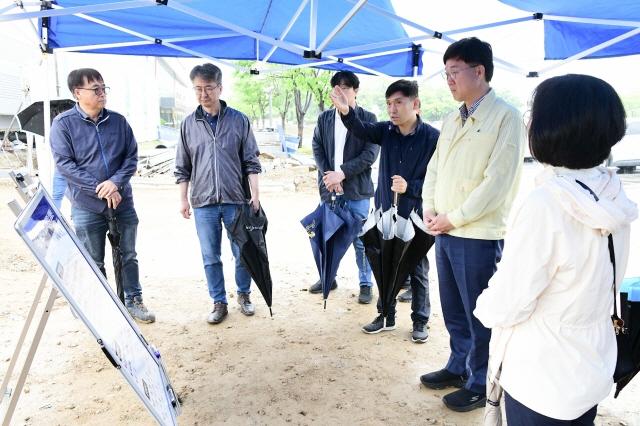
(618, 323)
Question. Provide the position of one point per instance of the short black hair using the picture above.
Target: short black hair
(472, 51)
(77, 77)
(346, 78)
(208, 72)
(407, 87)
(575, 120)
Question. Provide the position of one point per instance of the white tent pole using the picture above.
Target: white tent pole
(144, 42)
(60, 11)
(489, 25)
(444, 37)
(149, 38)
(375, 55)
(293, 67)
(313, 24)
(614, 22)
(360, 67)
(7, 8)
(286, 30)
(344, 21)
(391, 43)
(176, 5)
(46, 164)
(333, 61)
(588, 52)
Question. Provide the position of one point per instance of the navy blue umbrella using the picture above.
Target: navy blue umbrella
(331, 229)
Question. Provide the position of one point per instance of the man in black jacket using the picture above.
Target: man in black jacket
(344, 168)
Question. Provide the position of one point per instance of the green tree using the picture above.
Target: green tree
(250, 94)
(319, 82)
(302, 95)
(282, 96)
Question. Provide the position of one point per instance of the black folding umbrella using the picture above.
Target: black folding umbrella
(331, 229)
(630, 312)
(32, 117)
(394, 245)
(116, 253)
(248, 231)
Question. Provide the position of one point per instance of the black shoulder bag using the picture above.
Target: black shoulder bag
(624, 361)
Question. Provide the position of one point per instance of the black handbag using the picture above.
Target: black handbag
(624, 361)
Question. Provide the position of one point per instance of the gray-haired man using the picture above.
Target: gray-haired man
(217, 153)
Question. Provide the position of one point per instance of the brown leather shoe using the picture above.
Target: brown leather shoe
(246, 307)
(218, 314)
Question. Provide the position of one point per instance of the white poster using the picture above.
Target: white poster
(77, 277)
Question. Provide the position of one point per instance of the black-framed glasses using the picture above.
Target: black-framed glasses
(453, 75)
(97, 90)
(208, 89)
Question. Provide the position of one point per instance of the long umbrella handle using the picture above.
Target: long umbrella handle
(395, 199)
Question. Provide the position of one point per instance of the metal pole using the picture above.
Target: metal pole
(30, 355)
(23, 334)
(271, 108)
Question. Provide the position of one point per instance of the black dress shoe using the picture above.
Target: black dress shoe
(442, 379)
(317, 287)
(464, 400)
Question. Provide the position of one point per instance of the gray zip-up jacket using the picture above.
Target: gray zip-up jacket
(217, 166)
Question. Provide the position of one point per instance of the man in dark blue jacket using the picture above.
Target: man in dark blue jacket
(96, 152)
(407, 144)
(344, 169)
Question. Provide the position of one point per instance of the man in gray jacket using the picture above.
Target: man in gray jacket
(344, 169)
(217, 153)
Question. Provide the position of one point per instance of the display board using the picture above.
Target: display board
(78, 278)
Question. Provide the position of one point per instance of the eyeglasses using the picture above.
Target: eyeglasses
(208, 89)
(453, 75)
(97, 90)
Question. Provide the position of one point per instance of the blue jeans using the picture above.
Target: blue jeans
(209, 220)
(58, 188)
(91, 229)
(465, 266)
(519, 414)
(360, 209)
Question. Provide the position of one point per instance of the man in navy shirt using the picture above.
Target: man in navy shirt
(407, 144)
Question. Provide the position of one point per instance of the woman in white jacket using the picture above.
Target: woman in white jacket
(550, 302)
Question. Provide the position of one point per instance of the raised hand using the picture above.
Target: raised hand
(339, 100)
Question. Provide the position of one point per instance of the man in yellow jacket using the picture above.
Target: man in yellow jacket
(470, 184)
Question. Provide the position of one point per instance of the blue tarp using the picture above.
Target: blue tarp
(564, 39)
(265, 17)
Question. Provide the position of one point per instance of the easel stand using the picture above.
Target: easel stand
(24, 188)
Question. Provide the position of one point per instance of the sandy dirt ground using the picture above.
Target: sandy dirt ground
(306, 365)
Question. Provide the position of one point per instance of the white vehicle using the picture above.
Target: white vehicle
(626, 154)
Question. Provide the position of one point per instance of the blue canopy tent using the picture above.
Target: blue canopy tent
(292, 32)
(358, 35)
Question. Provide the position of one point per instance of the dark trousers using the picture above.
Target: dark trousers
(465, 266)
(420, 304)
(519, 415)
